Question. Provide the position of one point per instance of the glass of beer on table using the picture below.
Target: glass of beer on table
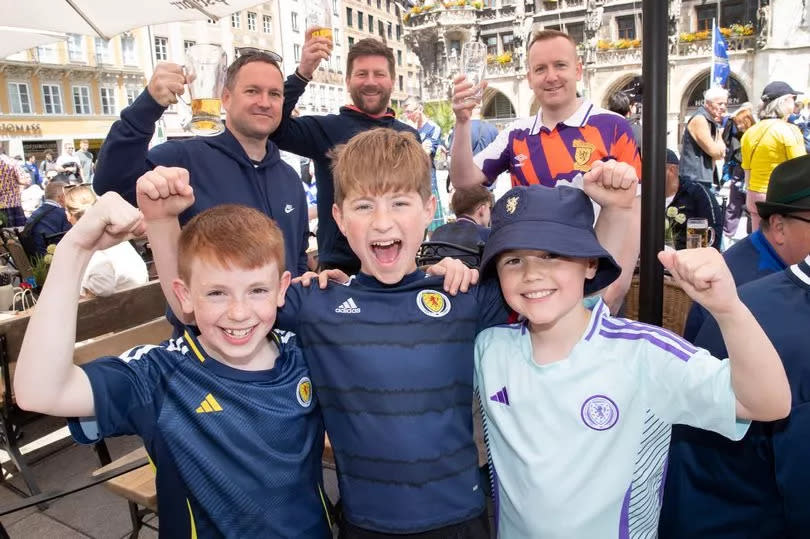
(205, 70)
(319, 18)
(698, 233)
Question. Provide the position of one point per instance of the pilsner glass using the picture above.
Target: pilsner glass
(698, 233)
(205, 69)
(319, 18)
(474, 65)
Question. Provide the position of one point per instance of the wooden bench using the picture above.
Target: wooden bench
(105, 326)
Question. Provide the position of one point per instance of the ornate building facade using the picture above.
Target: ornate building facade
(765, 41)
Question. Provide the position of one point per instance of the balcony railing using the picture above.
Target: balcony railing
(704, 47)
(554, 5)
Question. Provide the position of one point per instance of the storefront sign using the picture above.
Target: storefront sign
(20, 129)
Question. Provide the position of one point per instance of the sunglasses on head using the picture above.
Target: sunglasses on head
(252, 51)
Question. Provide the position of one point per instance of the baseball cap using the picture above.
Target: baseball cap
(557, 220)
(672, 158)
(777, 89)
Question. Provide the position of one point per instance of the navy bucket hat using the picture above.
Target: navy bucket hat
(557, 220)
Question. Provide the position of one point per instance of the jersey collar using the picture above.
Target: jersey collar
(801, 272)
(197, 351)
(598, 311)
(578, 119)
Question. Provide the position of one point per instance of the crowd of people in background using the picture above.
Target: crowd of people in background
(357, 196)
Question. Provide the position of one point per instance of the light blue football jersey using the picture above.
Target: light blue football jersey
(578, 447)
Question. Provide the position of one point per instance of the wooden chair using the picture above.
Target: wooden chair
(138, 487)
(676, 304)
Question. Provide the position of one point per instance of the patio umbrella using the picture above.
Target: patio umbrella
(14, 40)
(107, 18)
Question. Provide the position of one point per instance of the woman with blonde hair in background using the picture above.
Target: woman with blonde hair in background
(110, 270)
(768, 143)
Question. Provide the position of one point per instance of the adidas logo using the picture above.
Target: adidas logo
(209, 405)
(500, 396)
(348, 307)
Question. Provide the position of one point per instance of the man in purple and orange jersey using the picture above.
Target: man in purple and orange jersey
(564, 140)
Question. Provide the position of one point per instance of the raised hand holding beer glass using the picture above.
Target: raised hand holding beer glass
(205, 70)
(319, 18)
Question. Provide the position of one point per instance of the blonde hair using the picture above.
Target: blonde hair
(380, 161)
(78, 199)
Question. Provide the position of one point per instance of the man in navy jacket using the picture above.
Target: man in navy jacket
(370, 75)
(48, 219)
(238, 166)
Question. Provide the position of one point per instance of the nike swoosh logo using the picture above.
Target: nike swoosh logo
(288, 208)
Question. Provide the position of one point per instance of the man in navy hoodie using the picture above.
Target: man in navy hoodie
(370, 75)
(238, 166)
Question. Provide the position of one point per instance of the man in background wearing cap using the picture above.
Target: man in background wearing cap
(690, 199)
(579, 404)
(768, 143)
(702, 142)
(782, 239)
(756, 487)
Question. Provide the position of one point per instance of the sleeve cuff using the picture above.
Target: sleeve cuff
(84, 430)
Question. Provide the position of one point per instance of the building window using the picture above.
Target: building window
(401, 85)
(388, 6)
(399, 58)
(492, 44)
(351, 41)
(294, 20)
(334, 7)
(508, 41)
(108, 104)
(251, 21)
(336, 34)
(338, 64)
(399, 32)
(705, 16)
(132, 95)
(236, 20)
(379, 4)
(380, 28)
(128, 50)
(390, 30)
(52, 98)
(296, 52)
(576, 30)
(349, 16)
(161, 49)
(359, 20)
(266, 23)
(48, 53)
(371, 23)
(187, 44)
(19, 98)
(736, 12)
(626, 26)
(81, 100)
(76, 51)
(103, 55)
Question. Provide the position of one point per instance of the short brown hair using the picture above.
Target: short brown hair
(243, 60)
(370, 47)
(545, 35)
(465, 200)
(230, 235)
(380, 161)
(54, 190)
(744, 118)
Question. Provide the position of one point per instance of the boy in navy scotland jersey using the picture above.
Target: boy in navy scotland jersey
(390, 352)
(228, 416)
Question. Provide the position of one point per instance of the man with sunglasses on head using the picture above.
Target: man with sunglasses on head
(370, 75)
(238, 166)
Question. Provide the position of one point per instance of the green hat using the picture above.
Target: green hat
(788, 188)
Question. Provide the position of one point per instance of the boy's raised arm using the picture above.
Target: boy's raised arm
(757, 375)
(163, 194)
(613, 185)
(46, 380)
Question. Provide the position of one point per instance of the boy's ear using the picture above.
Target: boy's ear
(337, 215)
(283, 285)
(430, 210)
(593, 265)
(183, 295)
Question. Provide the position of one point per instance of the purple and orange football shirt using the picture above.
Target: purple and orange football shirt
(533, 154)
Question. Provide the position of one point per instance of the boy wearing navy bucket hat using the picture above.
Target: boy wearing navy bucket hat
(578, 405)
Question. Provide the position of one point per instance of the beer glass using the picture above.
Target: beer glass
(319, 18)
(698, 233)
(474, 65)
(205, 70)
